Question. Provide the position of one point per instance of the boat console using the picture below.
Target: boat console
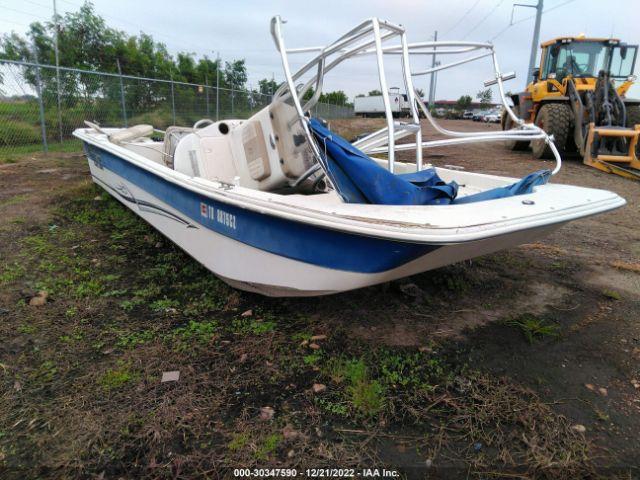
(268, 152)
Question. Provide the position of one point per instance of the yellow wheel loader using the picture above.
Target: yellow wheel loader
(578, 95)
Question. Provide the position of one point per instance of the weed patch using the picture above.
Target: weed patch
(268, 446)
(117, 377)
(612, 294)
(192, 335)
(532, 327)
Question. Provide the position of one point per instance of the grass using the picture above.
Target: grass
(268, 446)
(13, 200)
(238, 442)
(46, 372)
(192, 335)
(612, 295)
(253, 326)
(13, 153)
(111, 324)
(532, 327)
(117, 377)
(135, 339)
(10, 272)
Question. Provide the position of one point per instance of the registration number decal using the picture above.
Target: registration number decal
(218, 215)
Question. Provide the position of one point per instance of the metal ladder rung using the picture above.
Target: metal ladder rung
(609, 132)
(615, 158)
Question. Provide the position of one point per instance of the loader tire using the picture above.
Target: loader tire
(633, 119)
(556, 119)
(508, 124)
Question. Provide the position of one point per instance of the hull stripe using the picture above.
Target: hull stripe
(298, 241)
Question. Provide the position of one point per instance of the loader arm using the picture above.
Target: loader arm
(610, 146)
(580, 123)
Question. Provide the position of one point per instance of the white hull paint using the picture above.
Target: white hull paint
(248, 268)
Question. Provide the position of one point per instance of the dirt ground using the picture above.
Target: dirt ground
(520, 364)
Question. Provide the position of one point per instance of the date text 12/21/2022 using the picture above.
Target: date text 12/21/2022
(315, 473)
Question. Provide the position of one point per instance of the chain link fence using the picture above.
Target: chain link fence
(40, 105)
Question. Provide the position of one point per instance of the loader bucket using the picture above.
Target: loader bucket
(613, 150)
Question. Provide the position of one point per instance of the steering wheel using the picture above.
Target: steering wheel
(582, 67)
(201, 122)
(309, 173)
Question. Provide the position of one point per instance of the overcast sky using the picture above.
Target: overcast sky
(240, 29)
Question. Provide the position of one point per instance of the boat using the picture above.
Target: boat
(281, 205)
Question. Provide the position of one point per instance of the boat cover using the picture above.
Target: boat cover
(359, 179)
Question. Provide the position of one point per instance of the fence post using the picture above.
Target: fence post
(43, 126)
(124, 107)
(173, 103)
(206, 90)
(218, 88)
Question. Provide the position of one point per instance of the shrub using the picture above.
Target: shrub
(18, 133)
(160, 118)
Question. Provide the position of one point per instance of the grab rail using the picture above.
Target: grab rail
(367, 38)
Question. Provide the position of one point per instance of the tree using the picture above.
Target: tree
(464, 102)
(235, 74)
(373, 93)
(86, 42)
(206, 71)
(336, 98)
(485, 96)
(267, 86)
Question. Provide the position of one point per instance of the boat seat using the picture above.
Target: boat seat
(131, 134)
(172, 137)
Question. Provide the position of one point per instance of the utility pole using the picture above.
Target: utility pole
(173, 101)
(536, 36)
(55, 44)
(432, 86)
(435, 82)
(43, 125)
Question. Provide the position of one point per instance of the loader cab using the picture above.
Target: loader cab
(582, 59)
(585, 58)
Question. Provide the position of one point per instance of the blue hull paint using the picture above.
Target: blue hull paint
(298, 241)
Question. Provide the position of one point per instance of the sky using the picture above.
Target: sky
(240, 29)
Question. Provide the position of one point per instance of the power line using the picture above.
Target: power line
(175, 41)
(38, 4)
(178, 43)
(14, 23)
(500, 2)
(528, 18)
(255, 72)
(172, 43)
(31, 14)
(461, 18)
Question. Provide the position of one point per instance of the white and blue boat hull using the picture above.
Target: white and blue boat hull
(270, 255)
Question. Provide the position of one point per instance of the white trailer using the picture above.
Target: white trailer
(373, 106)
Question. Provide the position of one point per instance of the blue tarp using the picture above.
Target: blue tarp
(359, 179)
